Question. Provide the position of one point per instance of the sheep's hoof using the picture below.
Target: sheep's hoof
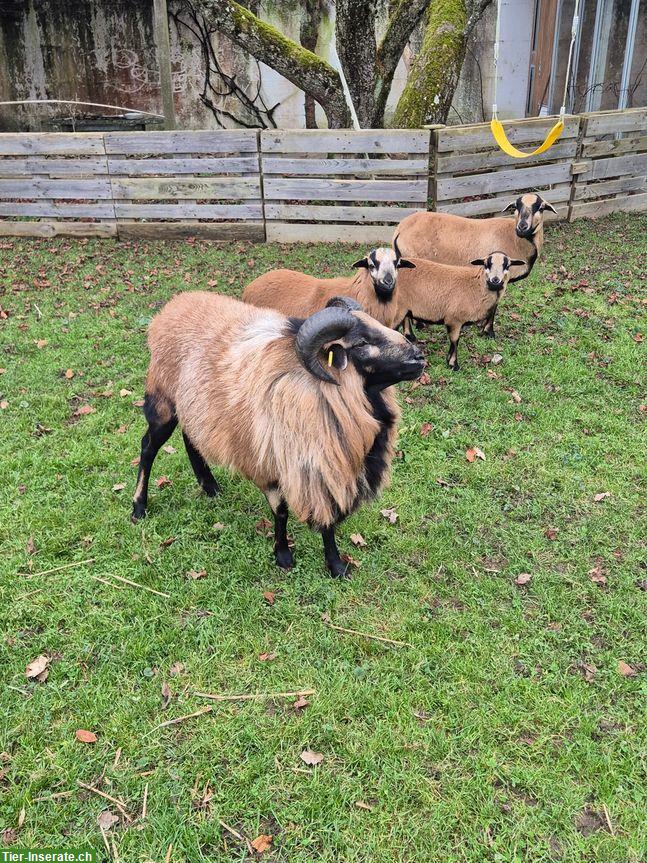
(284, 558)
(455, 368)
(211, 489)
(488, 334)
(411, 337)
(338, 569)
(139, 511)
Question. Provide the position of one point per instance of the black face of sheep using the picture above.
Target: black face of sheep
(497, 268)
(529, 209)
(342, 333)
(382, 265)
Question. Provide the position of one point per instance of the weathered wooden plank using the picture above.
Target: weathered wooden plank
(589, 191)
(51, 143)
(519, 179)
(218, 141)
(456, 161)
(174, 166)
(57, 229)
(319, 167)
(77, 167)
(616, 146)
(344, 190)
(195, 188)
(558, 197)
(357, 215)
(44, 188)
(224, 231)
(99, 210)
(345, 141)
(610, 122)
(634, 164)
(285, 232)
(519, 132)
(594, 209)
(184, 210)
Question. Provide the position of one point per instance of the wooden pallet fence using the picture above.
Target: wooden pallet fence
(55, 184)
(471, 176)
(611, 173)
(178, 184)
(328, 185)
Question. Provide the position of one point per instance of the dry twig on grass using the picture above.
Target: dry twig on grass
(57, 568)
(120, 806)
(183, 718)
(254, 696)
(368, 635)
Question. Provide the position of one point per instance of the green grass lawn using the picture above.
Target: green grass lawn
(502, 731)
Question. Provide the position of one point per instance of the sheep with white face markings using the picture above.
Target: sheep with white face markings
(374, 287)
(455, 296)
(448, 239)
(305, 409)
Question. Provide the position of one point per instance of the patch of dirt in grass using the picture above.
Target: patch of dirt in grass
(590, 820)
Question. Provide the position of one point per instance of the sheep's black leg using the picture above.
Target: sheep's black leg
(488, 326)
(203, 474)
(162, 421)
(337, 567)
(282, 551)
(454, 333)
(407, 328)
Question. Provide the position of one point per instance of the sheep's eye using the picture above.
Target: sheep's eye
(360, 344)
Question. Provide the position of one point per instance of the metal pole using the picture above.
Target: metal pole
(629, 54)
(163, 44)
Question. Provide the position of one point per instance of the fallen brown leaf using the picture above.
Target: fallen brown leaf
(596, 575)
(551, 533)
(357, 539)
(119, 486)
(38, 668)
(523, 578)
(107, 820)
(361, 805)
(625, 669)
(348, 558)
(266, 657)
(601, 496)
(84, 736)
(474, 453)
(162, 481)
(301, 703)
(390, 514)
(169, 449)
(176, 669)
(166, 695)
(311, 758)
(263, 842)
(69, 374)
(30, 548)
(124, 393)
(196, 574)
(166, 542)
(41, 343)
(269, 597)
(425, 428)
(84, 410)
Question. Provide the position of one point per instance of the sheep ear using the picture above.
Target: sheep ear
(407, 265)
(511, 206)
(363, 262)
(516, 263)
(546, 206)
(478, 262)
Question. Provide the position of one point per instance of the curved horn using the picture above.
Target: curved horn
(395, 247)
(347, 303)
(324, 326)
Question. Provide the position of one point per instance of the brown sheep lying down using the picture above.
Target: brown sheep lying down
(305, 409)
(374, 288)
(448, 239)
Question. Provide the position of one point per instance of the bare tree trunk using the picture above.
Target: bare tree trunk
(308, 35)
(428, 94)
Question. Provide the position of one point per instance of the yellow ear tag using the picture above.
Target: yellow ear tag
(330, 358)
